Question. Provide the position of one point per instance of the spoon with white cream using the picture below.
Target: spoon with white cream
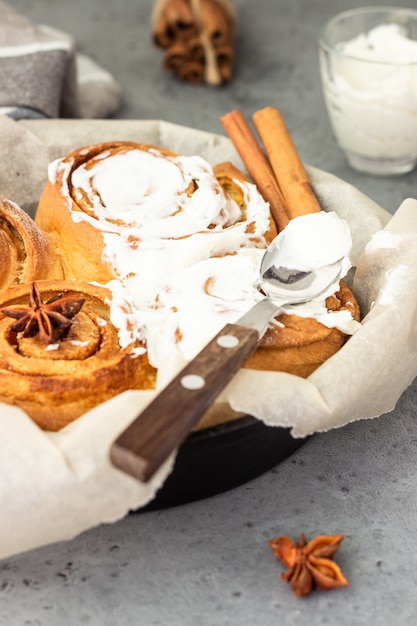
(304, 262)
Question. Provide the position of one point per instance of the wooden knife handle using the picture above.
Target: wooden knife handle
(164, 424)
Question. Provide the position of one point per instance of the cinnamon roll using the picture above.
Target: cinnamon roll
(203, 298)
(299, 345)
(105, 204)
(89, 363)
(25, 252)
(182, 243)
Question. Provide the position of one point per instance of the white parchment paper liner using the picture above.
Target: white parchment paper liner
(53, 486)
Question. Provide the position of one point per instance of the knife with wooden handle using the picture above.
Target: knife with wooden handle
(166, 422)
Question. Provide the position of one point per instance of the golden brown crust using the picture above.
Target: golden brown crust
(25, 252)
(82, 248)
(57, 384)
(79, 244)
(294, 344)
(299, 345)
(226, 173)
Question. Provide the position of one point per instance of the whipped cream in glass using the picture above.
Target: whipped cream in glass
(368, 62)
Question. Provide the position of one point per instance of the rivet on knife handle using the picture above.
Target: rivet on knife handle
(165, 423)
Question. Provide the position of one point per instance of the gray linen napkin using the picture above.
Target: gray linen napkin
(41, 74)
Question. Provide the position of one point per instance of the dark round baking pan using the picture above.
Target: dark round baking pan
(220, 458)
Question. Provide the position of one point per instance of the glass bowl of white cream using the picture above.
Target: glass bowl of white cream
(368, 65)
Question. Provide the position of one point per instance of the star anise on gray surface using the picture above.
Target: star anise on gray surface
(310, 565)
(50, 320)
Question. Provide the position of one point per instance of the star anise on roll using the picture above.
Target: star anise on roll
(50, 320)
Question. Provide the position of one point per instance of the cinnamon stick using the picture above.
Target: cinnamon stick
(180, 19)
(195, 49)
(175, 56)
(162, 35)
(225, 55)
(191, 72)
(216, 22)
(211, 72)
(224, 64)
(256, 163)
(205, 28)
(286, 164)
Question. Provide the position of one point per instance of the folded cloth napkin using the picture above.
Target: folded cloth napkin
(42, 75)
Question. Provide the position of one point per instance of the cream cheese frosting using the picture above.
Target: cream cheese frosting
(185, 259)
(156, 195)
(312, 241)
(371, 90)
(386, 43)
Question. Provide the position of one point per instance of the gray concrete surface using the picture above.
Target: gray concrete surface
(208, 563)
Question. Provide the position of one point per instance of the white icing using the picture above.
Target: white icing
(314, 240)
(147, 192)
(383, 239)
(387, 43)
(373, 106)
(185, 265)
(310, 242)
(52, 346)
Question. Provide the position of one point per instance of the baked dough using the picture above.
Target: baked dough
(56, 383)
(25, 252)
(101, 193)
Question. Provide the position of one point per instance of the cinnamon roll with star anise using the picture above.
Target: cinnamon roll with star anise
(25, 252)
(60, 352)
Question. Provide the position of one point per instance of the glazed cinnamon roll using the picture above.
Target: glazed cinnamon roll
(61, 354)
(25, 252)
(182, 243)
(106, 204)
(203, 298)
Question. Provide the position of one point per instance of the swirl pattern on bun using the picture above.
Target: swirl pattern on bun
(56, 383)
(181, 242)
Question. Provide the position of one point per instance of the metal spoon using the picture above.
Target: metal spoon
(165, 423)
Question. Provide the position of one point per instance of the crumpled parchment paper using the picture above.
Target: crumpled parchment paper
(54, 486)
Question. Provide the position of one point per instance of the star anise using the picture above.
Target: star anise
(51, 319)
(310, 565)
